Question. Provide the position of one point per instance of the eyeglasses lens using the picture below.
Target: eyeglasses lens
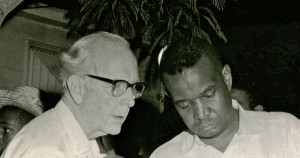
(121, 87)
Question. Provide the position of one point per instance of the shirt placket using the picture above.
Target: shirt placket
(232, 150)
(200, 148)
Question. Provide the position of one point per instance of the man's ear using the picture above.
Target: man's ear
(75, 86)
(226, 73)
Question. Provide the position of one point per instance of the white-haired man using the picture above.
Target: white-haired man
(100, 77)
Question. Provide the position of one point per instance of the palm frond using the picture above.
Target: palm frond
(213, 22)
(193, 5)
(170, 23)
(147, 32)
(144, 8)
(157, 39)
(201, 33)
(135, 9)
(219, 4)
(91, 10)
(161, 2)
(178, 17)
(126, 23)
(151, 20)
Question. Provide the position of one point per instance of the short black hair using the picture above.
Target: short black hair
(186, 52)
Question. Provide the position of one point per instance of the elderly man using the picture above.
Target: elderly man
(199, 86)
(100, 77)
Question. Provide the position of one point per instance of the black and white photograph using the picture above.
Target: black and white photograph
(149, 78)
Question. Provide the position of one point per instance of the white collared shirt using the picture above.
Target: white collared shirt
(96, 149)
(54, 134)
(260, 135)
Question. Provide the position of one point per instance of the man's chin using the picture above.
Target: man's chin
(114, 131)
(206, 133)
(96, 135)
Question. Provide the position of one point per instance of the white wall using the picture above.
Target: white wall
(15, 34)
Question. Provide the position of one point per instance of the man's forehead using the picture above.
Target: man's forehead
(188, 79)
(125, 72)
(197, 77)
(117, 65)
(200, 71)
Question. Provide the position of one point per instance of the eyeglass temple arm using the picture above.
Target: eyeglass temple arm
(101, 78)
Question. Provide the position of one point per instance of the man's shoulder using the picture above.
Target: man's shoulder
(272, 116)
(41, 134)
(271, 119)
(172, 146)
(47, 123)
(35, 152)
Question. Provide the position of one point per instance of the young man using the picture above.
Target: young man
(17, 108)
(100, 77)
(199, 86)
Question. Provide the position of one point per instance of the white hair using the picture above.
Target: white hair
(79, 59)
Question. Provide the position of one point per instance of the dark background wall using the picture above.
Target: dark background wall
(263, 50)
(265, 61)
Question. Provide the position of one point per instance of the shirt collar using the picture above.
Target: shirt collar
(247, 124)
(96, 149)
(78, 139)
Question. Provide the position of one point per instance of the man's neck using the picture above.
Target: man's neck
(223, 140)
(72, 106)
(67, 99)
(103, 149)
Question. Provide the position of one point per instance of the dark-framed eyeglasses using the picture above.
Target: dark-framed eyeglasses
(120, 86)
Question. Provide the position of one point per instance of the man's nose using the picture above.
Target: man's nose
(129, 97)
(201, 110)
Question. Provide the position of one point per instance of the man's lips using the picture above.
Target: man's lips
(207, 125)
(122, 115)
